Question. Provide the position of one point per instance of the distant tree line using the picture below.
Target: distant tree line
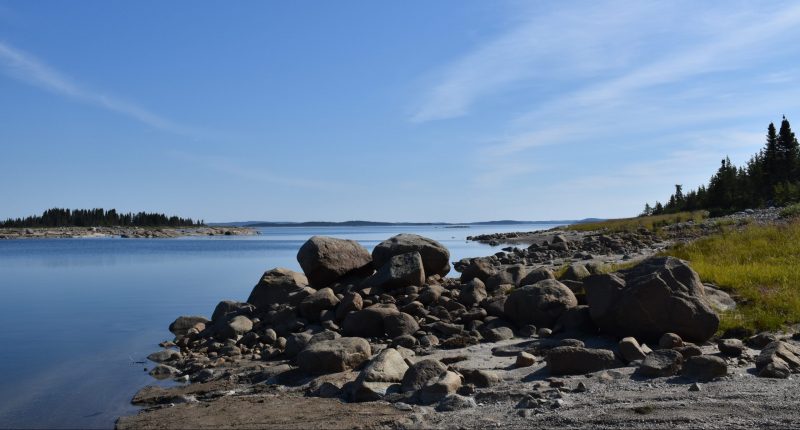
(771, 177)
(58, 217)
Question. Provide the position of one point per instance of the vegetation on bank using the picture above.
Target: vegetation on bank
(58, 217)
(652, 223)
(770, 178)
(759, 266)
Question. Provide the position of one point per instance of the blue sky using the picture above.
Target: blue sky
(395, 111)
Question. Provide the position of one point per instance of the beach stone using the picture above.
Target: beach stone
(480, 378)
(573, 360)
(162, 371)
(778, 360)
(705, 367)
(495, 306)
(182, 324)
(402, 270)
(430, 294)
(662, 362)
(331, 356)
(497, 334)
(368, 322)
(575, 272)
(657, 296)
(472, 293)
(669, 341)
(540, 304)
(422, 372)
(351, 302)
(227, 309)
(761, 340)
(536, 275)
(405, 341)
(237, 326)
(731, 347)
(322, 299)
(164, 355)
(324, 260)
(439, 388)
(435, 257)
(507, 275)
(480, 268)
(399, 324)
(379, 376)
(279, 286)
(630, 350)
(295, 342)
(455, 402)
(525, 359)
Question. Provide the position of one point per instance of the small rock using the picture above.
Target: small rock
(455, 402)
(525, 359)
(731, 347)
(669, 341)
(694, 387)
(663, 362)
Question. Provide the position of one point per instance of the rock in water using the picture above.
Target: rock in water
(435, 257)
(331, 356)
(574, 360)
(325, 259)
(540, 304)
(400, 271)
(660, 295)
(181, 325)
(279, 286)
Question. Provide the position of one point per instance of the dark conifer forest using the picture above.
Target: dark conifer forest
(58, 217)
(770, 178)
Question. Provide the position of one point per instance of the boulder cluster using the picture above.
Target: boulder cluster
(377, 314)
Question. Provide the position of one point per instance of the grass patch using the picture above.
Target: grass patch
(792, 211)
(652, 223)
(760, 265)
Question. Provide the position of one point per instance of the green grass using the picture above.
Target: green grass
(760, 265)
(792, 211)
(652, 223)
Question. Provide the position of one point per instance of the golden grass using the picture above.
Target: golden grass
(652, 223)
(760, 265)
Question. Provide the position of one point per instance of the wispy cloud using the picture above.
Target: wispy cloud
(237, 168)
(27, 68)
(687, 81)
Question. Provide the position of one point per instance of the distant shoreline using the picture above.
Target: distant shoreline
(122, 232)
(358, 223)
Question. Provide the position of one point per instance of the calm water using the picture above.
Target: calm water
(76, 313)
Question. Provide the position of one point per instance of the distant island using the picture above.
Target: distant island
(58, 217)
(359, 223)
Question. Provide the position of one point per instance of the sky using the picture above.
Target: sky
(453, 110)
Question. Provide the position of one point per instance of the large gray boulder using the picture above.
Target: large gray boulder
(575, 360)
(324, 259)
(480, 268)
(435, 257)
(331, 356)
(540, 304)
(660, 295)
(472, 293)
(402, 270)
(279, 286)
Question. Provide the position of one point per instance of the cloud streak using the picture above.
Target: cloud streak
(27, 68)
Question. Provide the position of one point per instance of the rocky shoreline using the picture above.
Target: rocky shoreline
(386, 339)
(122, 232)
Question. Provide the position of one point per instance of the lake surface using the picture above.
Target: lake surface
(76, 314)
